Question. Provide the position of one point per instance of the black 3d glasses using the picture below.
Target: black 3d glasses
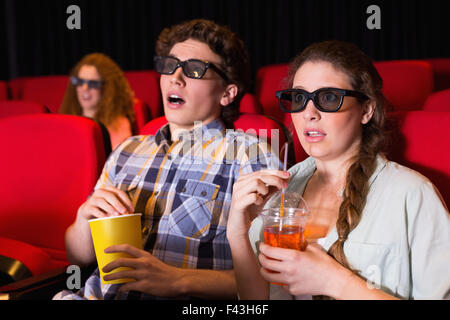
(192, 68)
(324, 99)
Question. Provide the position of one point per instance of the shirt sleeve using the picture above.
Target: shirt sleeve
(112, 165)
(429, 241)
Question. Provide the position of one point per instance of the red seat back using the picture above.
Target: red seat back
(142, 113)
(151, 127)
(406, 83)
(145, 85)
(441, 73)
(3, 90)
(46, 90)
(10, 108)
(250, 104)
(269, 79)
(51, 166)
(421, 143)
(438, 101)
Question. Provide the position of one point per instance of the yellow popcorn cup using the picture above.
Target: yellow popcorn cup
(109, 231)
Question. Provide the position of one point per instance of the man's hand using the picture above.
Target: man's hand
(152, 276)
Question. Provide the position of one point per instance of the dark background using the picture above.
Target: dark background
(35, 39)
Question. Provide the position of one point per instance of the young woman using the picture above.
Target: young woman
(386, 230)
(99, 90)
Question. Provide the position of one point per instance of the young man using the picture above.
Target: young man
(181, 179)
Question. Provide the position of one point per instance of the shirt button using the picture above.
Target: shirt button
(203, 193)
(183, 190)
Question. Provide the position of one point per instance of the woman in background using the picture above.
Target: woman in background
(99, 90)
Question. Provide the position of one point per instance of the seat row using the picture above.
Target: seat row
(408, 85)
(45, 183)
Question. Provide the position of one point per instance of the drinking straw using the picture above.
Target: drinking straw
(285, 146)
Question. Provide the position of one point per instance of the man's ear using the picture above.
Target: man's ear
(368, 110)
(229, 94)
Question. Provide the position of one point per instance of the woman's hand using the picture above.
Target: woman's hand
(152, 276)
(311, 271)
(249, 193)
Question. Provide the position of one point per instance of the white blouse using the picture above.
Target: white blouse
(402, 243)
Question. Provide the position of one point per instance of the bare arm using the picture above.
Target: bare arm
(250, 284)
(314, 272)
(207, 284)
(157, 278)
(351, 287)
(248, 194)
(108, 201)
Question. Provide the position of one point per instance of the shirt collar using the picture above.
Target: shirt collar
(203, 133)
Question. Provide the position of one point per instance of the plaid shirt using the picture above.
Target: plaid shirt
(184, 191)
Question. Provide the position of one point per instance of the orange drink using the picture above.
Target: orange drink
(315, 231)
(289, 236)
(285, 229)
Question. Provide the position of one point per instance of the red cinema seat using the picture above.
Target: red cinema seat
(10, 108)
(52, 166)
(420, 142)
(46, 90)
(250, 104)
(269, 79)
(145, 85)
(153, 126)
(406, 83)
(3, 90)
(142, 113)
(16, 87)
(438, 101)
(263, 127)
(259, 125)
(441, 72)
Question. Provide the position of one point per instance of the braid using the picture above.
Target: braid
(355, 193)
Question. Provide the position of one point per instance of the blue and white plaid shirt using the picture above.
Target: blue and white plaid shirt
(183, 188)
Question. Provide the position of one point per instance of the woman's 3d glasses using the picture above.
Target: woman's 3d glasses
(324, 99)
(92, 84)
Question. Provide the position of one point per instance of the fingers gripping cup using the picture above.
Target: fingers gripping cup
(124, 229)
(284, 219)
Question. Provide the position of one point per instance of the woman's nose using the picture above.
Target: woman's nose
(311, 113)
(84, 86)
